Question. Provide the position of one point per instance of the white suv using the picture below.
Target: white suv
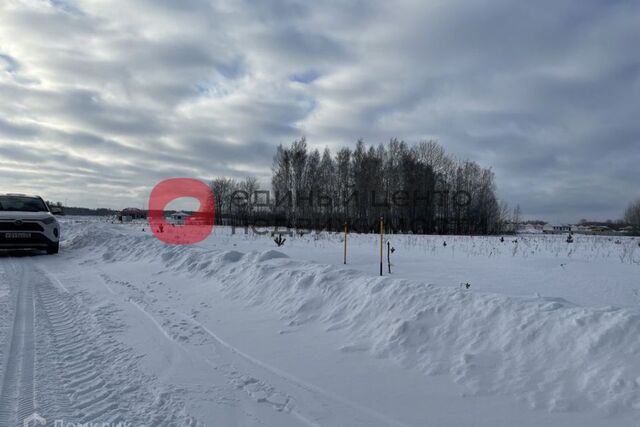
(27, 223)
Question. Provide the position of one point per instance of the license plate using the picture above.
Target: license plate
(17, 235)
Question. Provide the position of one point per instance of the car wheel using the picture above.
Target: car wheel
(53, 249)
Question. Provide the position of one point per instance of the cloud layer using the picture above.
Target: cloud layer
(100, 100)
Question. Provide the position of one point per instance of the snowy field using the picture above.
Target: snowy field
(120, 327)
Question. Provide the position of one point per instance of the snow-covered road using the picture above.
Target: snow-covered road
(122, 328)
(61, 359)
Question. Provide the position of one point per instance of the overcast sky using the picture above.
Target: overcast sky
(101, 99)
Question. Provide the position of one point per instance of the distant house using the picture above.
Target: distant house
(627, 229)
(129, 214)
(556, 228)
(600, 229)
(178, 218)
(580, 228)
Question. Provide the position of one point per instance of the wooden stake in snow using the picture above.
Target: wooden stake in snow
(346, 231)
(381, 242)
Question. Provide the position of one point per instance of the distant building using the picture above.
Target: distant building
(178, 218)
(132, 213)
(556, 228)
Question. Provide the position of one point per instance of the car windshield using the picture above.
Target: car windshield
(22, 204)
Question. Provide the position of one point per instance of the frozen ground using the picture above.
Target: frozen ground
(236, 332)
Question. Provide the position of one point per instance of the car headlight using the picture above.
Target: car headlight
(49, 220)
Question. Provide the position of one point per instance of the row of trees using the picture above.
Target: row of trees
(415, 188)
(632, 215)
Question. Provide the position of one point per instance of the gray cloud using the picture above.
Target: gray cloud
(102, 99)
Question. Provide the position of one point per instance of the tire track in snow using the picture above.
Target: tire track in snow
(6, 318)
(78, 362)
(17, 395)
(299, 383)
(65, 362)
(259, 390)
(99, 373)
(241, 382)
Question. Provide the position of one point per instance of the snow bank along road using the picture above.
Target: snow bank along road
(120, 328)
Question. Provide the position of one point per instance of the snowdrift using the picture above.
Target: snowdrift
(547, 352)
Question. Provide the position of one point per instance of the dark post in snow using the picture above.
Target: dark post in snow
(346, 230)
(381, 242)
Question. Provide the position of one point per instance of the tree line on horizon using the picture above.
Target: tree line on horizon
(632, 215)
(414, 188)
